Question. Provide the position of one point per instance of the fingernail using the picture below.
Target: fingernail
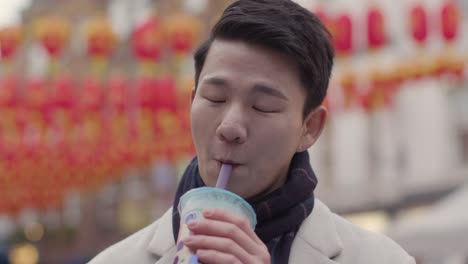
(192, 224)
(208, 212)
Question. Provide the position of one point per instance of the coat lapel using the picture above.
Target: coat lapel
(168, 257)
(162, 244)
(317, 238)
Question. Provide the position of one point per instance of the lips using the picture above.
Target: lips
(228, 161)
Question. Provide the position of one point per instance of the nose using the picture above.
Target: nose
(232, 129)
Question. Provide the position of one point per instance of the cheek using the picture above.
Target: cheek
(275, 144)
(281, 145)
(279, 134)
(197, 114)
(202, 123)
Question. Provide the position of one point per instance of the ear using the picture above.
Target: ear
(312, 128)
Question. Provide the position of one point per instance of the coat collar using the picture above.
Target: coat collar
(312, 233)
(162, 240)
(320, 233)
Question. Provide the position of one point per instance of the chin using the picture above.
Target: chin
(237, 191)
(240, 189)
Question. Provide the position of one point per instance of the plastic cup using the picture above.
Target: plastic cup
(190, 207)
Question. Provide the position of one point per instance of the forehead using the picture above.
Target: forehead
(249, 63)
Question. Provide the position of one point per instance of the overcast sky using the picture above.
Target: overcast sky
(10, 11)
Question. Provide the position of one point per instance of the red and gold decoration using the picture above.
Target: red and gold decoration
(450, 20)
(10, 40)
(342, 31)
(147, 40)
(182, 31)
(101, 42)
(418, 24)
(147, 44)
(376, 31)
(383, 89)
(418, 65)
(74, 132)
(53, 32)
(101, 39)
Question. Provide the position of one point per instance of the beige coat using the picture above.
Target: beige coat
(323, 238)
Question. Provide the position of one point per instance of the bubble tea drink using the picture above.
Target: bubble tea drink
(193, 202)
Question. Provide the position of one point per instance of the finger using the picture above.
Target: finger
(216, 228)
(225, 216)
(208, 256)
(220, 244)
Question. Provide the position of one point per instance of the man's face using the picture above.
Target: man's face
(247, 111)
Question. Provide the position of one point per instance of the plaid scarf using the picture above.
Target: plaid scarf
(279, 213)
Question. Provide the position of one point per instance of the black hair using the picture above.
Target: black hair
(283, 26)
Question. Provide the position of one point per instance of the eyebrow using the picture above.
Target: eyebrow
(269, 91)
(260, 88)
(215, 81)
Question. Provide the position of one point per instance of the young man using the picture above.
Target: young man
(260, 80)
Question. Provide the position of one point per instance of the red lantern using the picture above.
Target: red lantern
(157, 94)
(118, 93)
(62, 94)
(9, 41)
(101, 38)
(147, 40)
(418, 24)
(36, 96)
(8, 113)
(182, 31)
(34, 115)
(63, 107)
(376, 34)
(146, 88)
(342, 31)
(92, 98)
(119, 121)
(90, 111)
(450, 20)
(53, 32)
(166, 94)
(8, 91)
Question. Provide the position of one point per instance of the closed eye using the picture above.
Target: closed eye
(264, 110)
(216, 101)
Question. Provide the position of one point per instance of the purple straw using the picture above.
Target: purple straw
(224, 175)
